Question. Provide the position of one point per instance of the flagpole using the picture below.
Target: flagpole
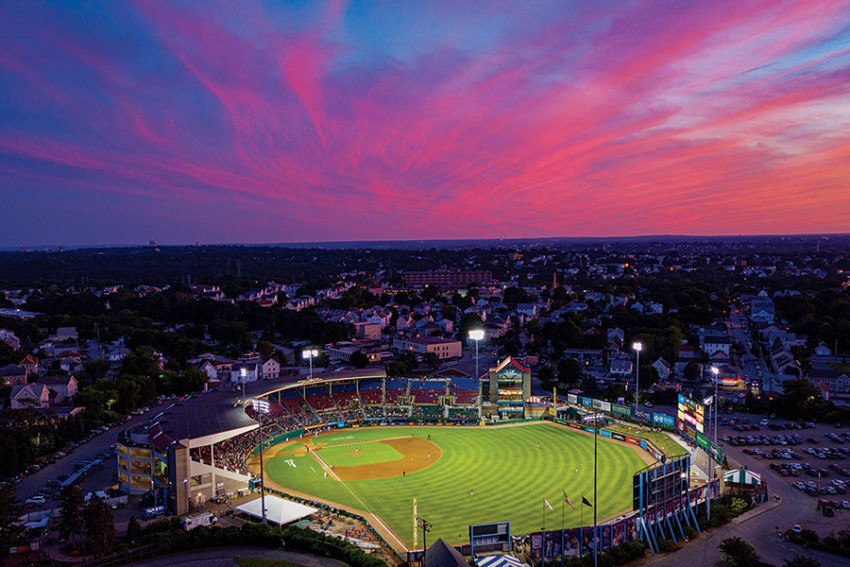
(563, 512)
(595, 499)
(543, 541)
(581, 530)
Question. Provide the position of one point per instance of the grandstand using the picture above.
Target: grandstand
(197, 449)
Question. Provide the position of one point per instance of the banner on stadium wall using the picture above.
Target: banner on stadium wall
(572, 398)
(632, 440)
(602, 405)
(586, 402)
(663, 419)
(589, 429)
(576, 425)
(621, 409)
(618, 436)
(702, 441)
(605, 433)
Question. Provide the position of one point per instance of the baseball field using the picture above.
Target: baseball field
(456, 476)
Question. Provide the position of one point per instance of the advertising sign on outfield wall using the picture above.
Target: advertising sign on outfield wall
(586, 402)
(663, 419)
(602, 405)
(572, 398)
(621, 409)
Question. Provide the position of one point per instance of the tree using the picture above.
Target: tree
(99, 525)
(648, 375)
(71, 519)
(265, 348)
(10, 511)
(134, 530)
(691, 371)
(801, 561)
(569, 373)
(738, 552)
(358, 359)
(431, 360)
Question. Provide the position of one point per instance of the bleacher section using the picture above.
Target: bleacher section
(371, 392)
(465, 390)
(318, 398)
(427, 391)
(395, 387)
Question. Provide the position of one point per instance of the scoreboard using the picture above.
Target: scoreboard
(662, 485)
(690, 416)
(490, 537)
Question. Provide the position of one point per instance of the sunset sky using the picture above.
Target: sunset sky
(228, 122)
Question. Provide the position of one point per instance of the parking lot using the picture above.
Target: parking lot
(813, 458)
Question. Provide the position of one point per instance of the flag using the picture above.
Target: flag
(547, 504)
(586, 502)
(567, 500)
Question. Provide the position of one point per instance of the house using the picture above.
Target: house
(368, 331)
(443, 348)
(762, 310)
(270, 368)
(63, 386)
(621, 367)
(837, 381)
(14, 374)
(663, 368)
(30, 396)
(9, 337)
(717, 343)
(208, 368)
(242, 372)
(616, 335)
(31, 364)
(586, 356)
(822, 350)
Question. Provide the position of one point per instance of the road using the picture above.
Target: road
(31, 484)
(226, 557)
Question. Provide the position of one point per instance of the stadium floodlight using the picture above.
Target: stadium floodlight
(262, 408)
(309, 354)
(243, 373)
(476, 335)
(637, 346)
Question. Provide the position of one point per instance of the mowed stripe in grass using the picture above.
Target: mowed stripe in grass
(485, 474)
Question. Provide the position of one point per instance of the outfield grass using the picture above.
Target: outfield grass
(660, 439)
(509, 470)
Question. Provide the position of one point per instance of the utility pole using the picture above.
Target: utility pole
(426, 527)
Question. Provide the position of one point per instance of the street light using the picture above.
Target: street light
(476, 335)
(637, 347)
(243, 373)
(715, 371)
(262, 408)
(426, 527)
(310, 354)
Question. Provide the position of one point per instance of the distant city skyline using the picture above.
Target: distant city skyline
(124, 122)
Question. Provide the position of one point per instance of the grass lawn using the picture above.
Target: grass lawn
(484, 475)
(661, 440)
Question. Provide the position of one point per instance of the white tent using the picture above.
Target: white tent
(742, 476)
(278, 510)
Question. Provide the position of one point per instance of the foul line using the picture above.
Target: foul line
(363, 504)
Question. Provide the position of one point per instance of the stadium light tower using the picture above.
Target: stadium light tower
(476, 335)
(637, 346)
(310, 354)
(715, 371)
(243, 375)
(262, 408)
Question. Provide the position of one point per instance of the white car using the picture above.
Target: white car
(845, 504)
(36, 500)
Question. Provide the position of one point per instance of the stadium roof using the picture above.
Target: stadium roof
(221, 410)
(442, 554)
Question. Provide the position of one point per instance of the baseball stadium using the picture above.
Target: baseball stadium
(449, 447)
